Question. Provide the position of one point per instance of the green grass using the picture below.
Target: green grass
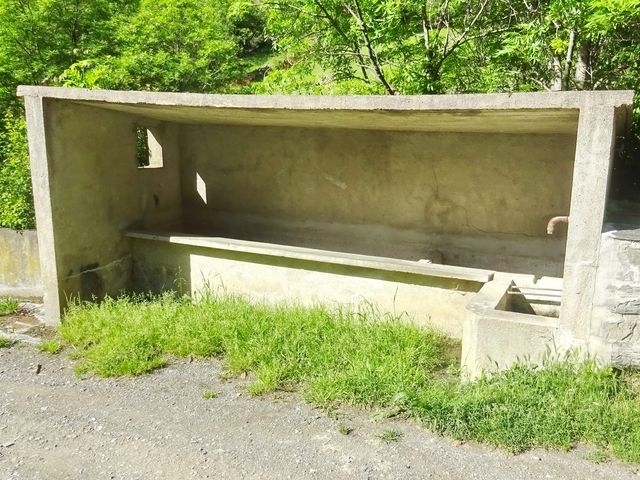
(5, 342)
(50, 346)
(209, 394)
(389, 436)
(366, 360)
(8, 306)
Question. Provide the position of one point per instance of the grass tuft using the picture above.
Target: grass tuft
(209, 394)
(367, 360)
(5, 342)
(344, 429)
(52, 347)
(8, 306)
(389, 436)
(598, 456)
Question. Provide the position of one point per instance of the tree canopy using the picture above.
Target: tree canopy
(316, 46)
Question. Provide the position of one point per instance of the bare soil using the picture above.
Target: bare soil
(54, 425)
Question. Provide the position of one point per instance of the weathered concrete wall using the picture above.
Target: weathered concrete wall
(95, 189)
(482, 200)
(615, 319)
(425, 301)
(19, 264)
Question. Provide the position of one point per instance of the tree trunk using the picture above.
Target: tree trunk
(583, 67)
(556, 83)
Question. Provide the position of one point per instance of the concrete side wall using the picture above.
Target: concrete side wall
(615, 321)
(597, 131)
(425, 301)
(450, 188)
(494, 338)
(19, 264)
(96, 189)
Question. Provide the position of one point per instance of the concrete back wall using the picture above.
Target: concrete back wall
(19, 264)
(412, 192)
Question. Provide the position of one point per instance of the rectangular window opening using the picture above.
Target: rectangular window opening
(148, 149)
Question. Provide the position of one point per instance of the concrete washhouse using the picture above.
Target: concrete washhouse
(440, 208)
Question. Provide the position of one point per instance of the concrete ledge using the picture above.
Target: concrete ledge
(23, 293)
(421, 300)
(493, 339)
(314, 255)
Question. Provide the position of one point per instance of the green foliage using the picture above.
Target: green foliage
(16, 201)
(5, 342)
(39, 39)
(338, 358)
(554, 407)
(8, 305)
(174, 45)
(313, 47)
(83, 74)
(412, 47)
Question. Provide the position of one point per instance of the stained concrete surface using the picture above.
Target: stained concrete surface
(19, 264)
(54, 425)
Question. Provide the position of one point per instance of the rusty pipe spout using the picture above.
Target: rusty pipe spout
(552, 223)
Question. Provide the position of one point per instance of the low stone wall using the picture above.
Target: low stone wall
(615, 336)
(19, 264)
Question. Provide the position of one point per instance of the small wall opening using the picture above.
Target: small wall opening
(148, 148)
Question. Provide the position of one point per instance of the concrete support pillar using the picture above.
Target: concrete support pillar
(594, 154)
(88, 188)
(40, 177)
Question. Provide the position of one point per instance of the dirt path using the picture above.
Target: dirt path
(56, 426)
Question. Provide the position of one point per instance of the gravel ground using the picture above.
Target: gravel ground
(54, 425)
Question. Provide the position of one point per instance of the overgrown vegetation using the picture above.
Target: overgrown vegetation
(311, 46)
(344, 358)
(8, 305)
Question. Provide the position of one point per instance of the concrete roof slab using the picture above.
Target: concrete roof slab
(549, 112)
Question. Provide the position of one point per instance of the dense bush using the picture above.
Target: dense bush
(16, 201)
(312, 47)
